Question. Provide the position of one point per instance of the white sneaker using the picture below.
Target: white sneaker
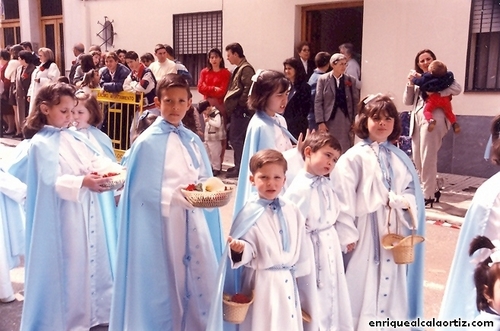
(8, 299)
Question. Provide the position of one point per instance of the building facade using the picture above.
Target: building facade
(464, 34)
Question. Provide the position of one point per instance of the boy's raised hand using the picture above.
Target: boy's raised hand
(300, 141)
(236, 245)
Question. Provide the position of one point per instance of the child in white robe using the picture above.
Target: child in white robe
(487, 282)
(12, 195)
(273, 252)
(371, 179)
(167, 249)
(87, 117)
(67, 256)
(323, 293)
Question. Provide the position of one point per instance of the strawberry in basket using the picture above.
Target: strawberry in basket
(240, 298)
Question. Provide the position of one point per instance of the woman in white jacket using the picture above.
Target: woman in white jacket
(47, 72)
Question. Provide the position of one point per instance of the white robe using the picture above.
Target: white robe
(323, 293)
(179, 172)
(276, 304)
(88, 273)
(377, 291)
(15, 190)
(46, 77)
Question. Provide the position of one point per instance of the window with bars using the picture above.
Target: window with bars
(194, 35)
(483, 71)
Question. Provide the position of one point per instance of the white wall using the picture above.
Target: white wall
(395, 30)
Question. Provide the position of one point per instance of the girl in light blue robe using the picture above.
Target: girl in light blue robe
(67, 258)
(482, 219)
(267, 128)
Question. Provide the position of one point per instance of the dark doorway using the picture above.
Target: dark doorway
(326, 27)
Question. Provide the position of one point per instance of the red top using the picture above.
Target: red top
(210, 79)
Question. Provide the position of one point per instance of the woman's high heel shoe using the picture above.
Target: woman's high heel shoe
(437, 195)
(429, 202)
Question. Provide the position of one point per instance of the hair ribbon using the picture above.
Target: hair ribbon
(255, 77)
(484, 253)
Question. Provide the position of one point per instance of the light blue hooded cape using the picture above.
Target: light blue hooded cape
(141, 298)
(228, 279)
(45, 276)
(459, 298)
(259, 136)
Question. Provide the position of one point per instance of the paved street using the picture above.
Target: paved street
(442, 232)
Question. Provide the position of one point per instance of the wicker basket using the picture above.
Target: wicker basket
(402, 247)
(235, 312)
(209, 199)
(115, 182)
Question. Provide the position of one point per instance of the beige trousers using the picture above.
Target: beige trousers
(425, 146)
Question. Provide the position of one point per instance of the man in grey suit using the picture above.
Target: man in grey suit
(336, 101)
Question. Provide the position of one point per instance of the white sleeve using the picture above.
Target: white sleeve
(12, 187)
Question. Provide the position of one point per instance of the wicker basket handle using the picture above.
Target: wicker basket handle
(413, 228)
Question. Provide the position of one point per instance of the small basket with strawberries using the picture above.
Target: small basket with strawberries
(210, 194)
(235, 307)
(115, 179)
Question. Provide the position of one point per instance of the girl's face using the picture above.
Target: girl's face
(269, 180)
(495, 301)
(215, 60)
(290, 72)
(276, 103)
(380, 127)
(424, 60)
(173, 102)
(96, 58)
(321, 162)
(59, 115)
(96, 78)
(81, 116)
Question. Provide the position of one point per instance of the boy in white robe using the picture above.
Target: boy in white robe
(274, 251)
(167, 249)
(323, 293)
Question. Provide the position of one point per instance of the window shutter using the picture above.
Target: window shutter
(197, 33)
(485, 16)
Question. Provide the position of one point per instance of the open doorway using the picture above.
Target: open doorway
(328, 26)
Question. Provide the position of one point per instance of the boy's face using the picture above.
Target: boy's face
(269, 180)
(173, 102)
(322, 162)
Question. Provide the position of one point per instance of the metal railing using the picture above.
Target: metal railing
(119, 110)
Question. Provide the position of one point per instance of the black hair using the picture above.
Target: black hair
(131, 55)
(267, 82)
(235, 48)
(219, 53)
(300, 72)
(485, 276)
